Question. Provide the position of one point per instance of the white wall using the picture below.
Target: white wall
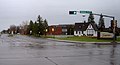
(79, 33)
(85, 32)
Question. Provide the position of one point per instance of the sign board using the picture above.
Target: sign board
(86, 12)
(106, 35)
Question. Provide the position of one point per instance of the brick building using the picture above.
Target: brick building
(62, 29)
(54, 30)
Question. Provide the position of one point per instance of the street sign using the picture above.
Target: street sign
(82, 12)
(86, 12)
(72, 12)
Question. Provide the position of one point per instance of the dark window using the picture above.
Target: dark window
(79, 26)
(76, 32)
(79, 32)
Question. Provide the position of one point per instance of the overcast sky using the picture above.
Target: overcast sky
(55, 11)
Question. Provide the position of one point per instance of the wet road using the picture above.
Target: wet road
(24, 50)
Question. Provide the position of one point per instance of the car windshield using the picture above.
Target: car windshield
(59, 32)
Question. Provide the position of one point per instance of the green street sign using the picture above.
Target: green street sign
(72, 12)
(86, 12)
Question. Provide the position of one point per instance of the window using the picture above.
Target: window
(79, 32)
(76, 32)
(90, 32)
(64, 30)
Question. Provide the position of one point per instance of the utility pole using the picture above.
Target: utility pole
(114, 26)
(114, 31)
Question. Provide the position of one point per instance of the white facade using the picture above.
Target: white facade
(88, 32)
(78, 33)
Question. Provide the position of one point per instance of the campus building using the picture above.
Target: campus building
(85, 29)
(62, 29)
(54, 30)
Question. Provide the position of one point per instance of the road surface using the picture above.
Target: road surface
(25, 50)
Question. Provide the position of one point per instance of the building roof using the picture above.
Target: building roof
(84, 26)
(81, 26)
(94, 26)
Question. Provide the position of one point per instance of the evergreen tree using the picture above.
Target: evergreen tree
(39, 19)
(91, 18)
(30, 28)
(101, 24)
(39, 27)
(45, 23)
(35, 28)
(31, 25)
(45, 26)
(40, 24)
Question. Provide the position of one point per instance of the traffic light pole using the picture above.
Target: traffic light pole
(114, 26)
(90, 12)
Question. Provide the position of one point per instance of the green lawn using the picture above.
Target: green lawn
(86, 39)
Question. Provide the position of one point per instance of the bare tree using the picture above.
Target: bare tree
(24, 27)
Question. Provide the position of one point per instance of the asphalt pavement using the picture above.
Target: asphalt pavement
(25, 50)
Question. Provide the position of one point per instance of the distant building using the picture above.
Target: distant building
(85, 29)
(62, 29)
(54, 30)
(67, 29)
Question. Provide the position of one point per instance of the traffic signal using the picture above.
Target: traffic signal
(73, 12)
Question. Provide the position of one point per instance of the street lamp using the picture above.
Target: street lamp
(46, 30)
(30, 32)
(39, 32)
(53, 31)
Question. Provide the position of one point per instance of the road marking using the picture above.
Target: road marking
(51, 60)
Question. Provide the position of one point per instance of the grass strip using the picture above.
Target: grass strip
(87, 39)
